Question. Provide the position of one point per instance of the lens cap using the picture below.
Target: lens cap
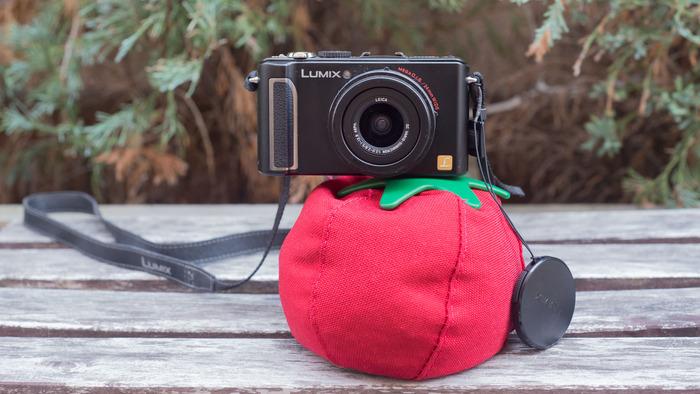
(544, 301)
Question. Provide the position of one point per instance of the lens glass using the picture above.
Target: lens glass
(381, 125)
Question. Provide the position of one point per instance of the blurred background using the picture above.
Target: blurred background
(143, 101)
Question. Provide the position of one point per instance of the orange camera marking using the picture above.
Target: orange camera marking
(444, 162)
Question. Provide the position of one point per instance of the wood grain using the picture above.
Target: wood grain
(637, 313)
(47, 312)
(596, 226)
(633, 266)
(177, 224)
(583, 363)
(595, 267)
(185, 223)
(14, 211)
(96, 339)
(67, 268)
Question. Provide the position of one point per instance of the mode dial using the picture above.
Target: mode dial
(334, 54)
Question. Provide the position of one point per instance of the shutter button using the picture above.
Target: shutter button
(301, 55)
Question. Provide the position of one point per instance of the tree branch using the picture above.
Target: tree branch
(541, 88)
(68, 48)
(203, 132)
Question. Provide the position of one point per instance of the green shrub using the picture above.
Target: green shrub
(172, 40)
(175, 37)
(652, 49)
(649, 50)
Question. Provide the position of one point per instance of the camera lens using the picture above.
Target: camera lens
(381, 125)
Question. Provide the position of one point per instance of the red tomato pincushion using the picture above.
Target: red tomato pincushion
(420, 291)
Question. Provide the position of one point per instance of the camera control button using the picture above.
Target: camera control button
(328, 54)
(301, 55)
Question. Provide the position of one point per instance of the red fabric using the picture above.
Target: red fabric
(417, 292)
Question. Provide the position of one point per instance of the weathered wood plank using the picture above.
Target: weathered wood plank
(186, 223)
(47, 312)
(67, 268)
(615, 267)
(637, 226)
(191, 223)
(631, 364)
(595, 267)
(660, 312)
(14, 211)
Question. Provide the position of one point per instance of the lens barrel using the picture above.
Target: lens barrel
(382, 123)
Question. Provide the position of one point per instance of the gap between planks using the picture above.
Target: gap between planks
(56, 389)
(272, 287)
(601, 241)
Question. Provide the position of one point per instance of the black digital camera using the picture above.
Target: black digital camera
(331, 113)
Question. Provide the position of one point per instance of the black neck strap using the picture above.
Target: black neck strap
(476, 134)
(179, 262)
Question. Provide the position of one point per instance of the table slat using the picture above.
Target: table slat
(596, 267)
(137, 363)
(47, 312)
(189, 223)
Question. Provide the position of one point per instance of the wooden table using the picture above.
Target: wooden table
(70, 323)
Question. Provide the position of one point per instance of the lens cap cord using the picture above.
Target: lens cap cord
(545, 293)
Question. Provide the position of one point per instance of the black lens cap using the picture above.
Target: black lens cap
(544, 300)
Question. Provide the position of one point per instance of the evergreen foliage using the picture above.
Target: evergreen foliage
(177, 36)
(652, 47)
(649, 48)
(41, 84)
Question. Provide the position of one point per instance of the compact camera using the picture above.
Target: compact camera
(331, 113)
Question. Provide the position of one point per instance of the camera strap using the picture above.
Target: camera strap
(477, 133)
(180, 262)
(540, 324)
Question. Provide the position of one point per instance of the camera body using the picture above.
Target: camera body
(331, 113)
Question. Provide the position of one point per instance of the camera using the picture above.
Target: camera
(331, 113)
